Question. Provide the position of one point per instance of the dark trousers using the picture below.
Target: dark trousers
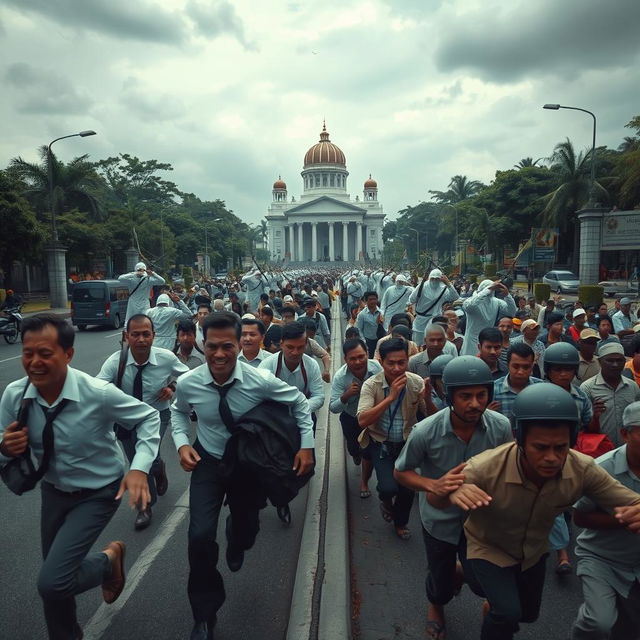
(327, 315)
(206, 496)
(514, 596)
(371, 346)
(70, 523)
(129, 447)
(441, 561)
(383, 459)
(351, 430)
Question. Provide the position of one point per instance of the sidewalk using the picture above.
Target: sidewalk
(65, 313)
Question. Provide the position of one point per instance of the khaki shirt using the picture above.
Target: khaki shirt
(515, 527)
(587, 369)
(372, 394)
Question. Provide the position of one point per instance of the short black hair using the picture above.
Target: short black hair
(264, 297)
(254, 322)
(634, 347)
(66, 334)
(366, 294)
(293, 331)
(273, 335)
(400, 318)
(204, 305)
(490, 334)
(520, 349)
(140, 316)
(351, 332)
(401, 330)
(309, 324)
(353, 343)
(267, 309)
(393, 344)
(222, 320)
(186, 326)
(440, 320)
(288, 310)
(554, 317)
(607, 318)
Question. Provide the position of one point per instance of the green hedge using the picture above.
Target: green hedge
(590, 294)
(541, 291)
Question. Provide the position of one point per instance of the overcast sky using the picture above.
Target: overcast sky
(232, 94)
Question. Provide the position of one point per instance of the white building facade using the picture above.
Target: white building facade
(325, 225)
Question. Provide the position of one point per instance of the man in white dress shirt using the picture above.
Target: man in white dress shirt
(82, 470)
(223, 390)
(253, 331)
(140, 283)
(165, 316)
(149, 375)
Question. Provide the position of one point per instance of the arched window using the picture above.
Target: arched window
(317, 179)
(331, 180)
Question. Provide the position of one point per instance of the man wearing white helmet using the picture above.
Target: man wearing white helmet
(386, 281)
(354, 290)
(140, 283)
(165, 316)
(395, 299)
(483, 310)
(428, 299)
(254, 283)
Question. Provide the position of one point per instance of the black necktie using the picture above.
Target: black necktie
(223, 406)
(47, 437)
(137, 381)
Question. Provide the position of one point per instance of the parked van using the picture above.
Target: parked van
(102, 302)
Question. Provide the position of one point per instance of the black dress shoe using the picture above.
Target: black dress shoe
(284, 513)
(162, 482)
(201, 631)
(143, 519)
(235, 556)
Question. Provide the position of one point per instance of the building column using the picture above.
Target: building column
(300, 252)
(332, 253)
(57, 270)
(292, 243)
(345, 241)
(314, 242)
(590, 244)
(358, 241)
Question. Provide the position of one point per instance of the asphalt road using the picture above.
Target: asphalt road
(155, 603)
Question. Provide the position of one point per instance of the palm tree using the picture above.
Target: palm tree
(459, 189)
(264, 232)
(73, 183)
(527, 162)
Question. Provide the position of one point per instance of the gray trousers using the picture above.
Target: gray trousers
(70, 523)
(605, 614)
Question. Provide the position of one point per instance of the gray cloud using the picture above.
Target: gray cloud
(148, 105)
(122, 19)
(44, 91)
(213, 19)
(542, 38)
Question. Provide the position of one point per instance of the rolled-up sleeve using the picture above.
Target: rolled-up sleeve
(337, 389)
(280, 391)
(131, 413)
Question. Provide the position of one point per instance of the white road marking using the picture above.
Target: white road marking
(111, 335)
(12, 358)
(102, 618)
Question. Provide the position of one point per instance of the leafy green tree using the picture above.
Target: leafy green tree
(628, 169)
(527, 162)
(83, 238)
(22, 235)
(460, 188)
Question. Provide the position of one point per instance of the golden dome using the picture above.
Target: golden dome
(370, 183)
(279, 183)
(324, 152)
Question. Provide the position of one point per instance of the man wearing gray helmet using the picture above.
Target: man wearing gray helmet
(439, 447)
(513, 494)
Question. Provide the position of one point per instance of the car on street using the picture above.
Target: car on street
(562, 281)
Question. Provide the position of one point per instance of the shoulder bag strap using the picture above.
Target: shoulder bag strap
(435, 302)
(138, 285)
(402, 295)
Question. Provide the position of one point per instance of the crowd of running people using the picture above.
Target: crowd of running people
(491, 408)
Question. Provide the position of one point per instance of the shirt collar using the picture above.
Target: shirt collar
(70, 389)
(152, 358)
(236, 374)
(620, 464)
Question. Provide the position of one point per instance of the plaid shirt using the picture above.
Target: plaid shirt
(506, 396)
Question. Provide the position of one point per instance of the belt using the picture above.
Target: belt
(76, 493)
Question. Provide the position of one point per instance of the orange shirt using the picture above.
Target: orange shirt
(634, 373)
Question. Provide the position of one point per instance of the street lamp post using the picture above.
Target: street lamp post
(417, 244)
(56, 264)
(555, 107)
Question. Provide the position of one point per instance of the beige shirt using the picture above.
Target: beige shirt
(372, 394)
(515, 527)
(587, 369)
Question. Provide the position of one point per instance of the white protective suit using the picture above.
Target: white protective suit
(428, 301)
(164, 320)
(386, 281)
(140, 284)
(354, 291)
(255, 286)
(395, 300)
(483, 310)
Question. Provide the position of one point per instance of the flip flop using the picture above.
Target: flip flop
(365, 494)
(436, 630)
(403, 533)
(564, 568)
(387, 513)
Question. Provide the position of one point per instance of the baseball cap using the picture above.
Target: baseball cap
(610, 347)
(579, 312)
(631, 415)
(625, 300)
(587, 334)
(530, 323)
(517, 322)
(287, 299)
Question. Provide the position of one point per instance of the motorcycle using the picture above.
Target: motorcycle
(10, 326)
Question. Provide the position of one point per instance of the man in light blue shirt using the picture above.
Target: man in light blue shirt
(221, 391)
(82, 469)
(345, 395)
(368, 321)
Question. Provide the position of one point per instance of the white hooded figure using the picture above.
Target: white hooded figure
(164, 317)
(386, 281)
(354, 290)
(484, 310)
(140, 283)
(427, 300)
(254, 283)
(395, 299)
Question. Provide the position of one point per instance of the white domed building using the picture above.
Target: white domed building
(325, 224)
